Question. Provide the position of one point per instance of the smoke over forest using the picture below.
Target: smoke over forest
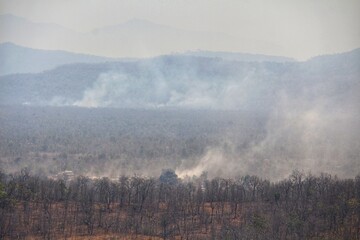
(262, 118)
(180, 120)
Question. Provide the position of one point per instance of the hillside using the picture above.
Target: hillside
(235, 56)
(135, 38)
(188, 81)
(18, 59)
(296, 115)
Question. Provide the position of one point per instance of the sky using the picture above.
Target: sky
(298, 29)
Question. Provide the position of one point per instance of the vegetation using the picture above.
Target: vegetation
(102, 142)
(190, 114)
(299, 207)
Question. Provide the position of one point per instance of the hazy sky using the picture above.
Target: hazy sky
(300, 29)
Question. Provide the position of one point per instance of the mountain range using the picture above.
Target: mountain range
(190, 81)
(19, 59)
(309, 110)
(133, 38)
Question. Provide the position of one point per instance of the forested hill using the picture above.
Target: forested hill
(18, 59)
(188, 81)
(263, 116)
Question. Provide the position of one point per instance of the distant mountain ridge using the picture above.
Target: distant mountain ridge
(134, 38)
(309, 110)
(235, 56)
(189, 82)
(18, 59)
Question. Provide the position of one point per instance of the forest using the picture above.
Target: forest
(182, 147)
(302, 206)
(77, 173)
(179, 120)
(95, 142)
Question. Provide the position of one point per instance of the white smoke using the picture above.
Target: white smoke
(106, 86)
(113, 89)
(312, 136)
(312, 125)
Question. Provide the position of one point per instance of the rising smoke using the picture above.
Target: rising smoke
(315, 137)
(311, 109)
(311, 125)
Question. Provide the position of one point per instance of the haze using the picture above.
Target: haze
(179, 60)
(296, 29)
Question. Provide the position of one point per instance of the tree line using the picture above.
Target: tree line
(303, 206)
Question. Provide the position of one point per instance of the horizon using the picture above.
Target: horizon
(302, 101)
(156, 119)
(186, 52)
(296, 30)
